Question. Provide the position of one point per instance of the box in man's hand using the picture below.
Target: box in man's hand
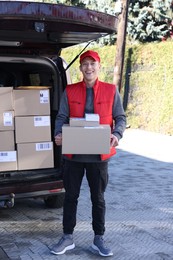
(86, 140)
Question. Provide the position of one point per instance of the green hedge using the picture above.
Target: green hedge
(150, 94)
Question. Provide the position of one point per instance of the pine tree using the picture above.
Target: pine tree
(150, 20)
(79, 3)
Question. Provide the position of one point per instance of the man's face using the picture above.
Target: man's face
(90, 69)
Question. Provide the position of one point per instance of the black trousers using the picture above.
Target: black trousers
(97, 177)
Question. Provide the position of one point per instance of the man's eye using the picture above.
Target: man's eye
(89, 64)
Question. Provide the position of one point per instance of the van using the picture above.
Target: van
(33, 77)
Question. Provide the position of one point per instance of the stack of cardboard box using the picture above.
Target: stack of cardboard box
(86, 136)
(25, 129)
(8, 160)
(33, 128)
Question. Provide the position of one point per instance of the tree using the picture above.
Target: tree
(72, 2)
(120, 44)
(106, 6)
(150, 20)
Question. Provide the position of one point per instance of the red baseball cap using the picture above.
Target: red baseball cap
(90, 53)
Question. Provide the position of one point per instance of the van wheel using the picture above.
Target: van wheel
(55, 201)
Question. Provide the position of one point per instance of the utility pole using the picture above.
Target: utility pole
(121, 42)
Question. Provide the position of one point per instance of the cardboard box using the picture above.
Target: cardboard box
(6, 99)
(74, 121)
(8, 161)
(30, 102)
(35, 155)
(30, 129)
(6, 140)
(88, 120)
(6, 120)
(86, 140)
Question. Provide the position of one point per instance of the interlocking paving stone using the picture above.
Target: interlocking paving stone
(139, 212)
(3, 255)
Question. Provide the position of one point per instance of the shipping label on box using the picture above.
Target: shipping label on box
(43, 146)
(6, 140)
(41, 121)
(7, 120)
(8, 161)
(44, 96)
(30, 102)
(35, 155)
(86, 140)
(6, 99)
(29, 129)
(7, 156)
(92, 117)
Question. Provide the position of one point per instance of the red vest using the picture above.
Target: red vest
(103, 102)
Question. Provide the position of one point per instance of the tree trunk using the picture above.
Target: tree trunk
(121, 41)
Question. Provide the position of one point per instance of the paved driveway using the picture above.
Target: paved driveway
(139, 209)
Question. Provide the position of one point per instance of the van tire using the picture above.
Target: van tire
(55, 201)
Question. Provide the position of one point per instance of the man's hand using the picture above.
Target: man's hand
(114, 140)
(58, 139)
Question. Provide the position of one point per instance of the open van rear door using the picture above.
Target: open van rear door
(49, 27)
